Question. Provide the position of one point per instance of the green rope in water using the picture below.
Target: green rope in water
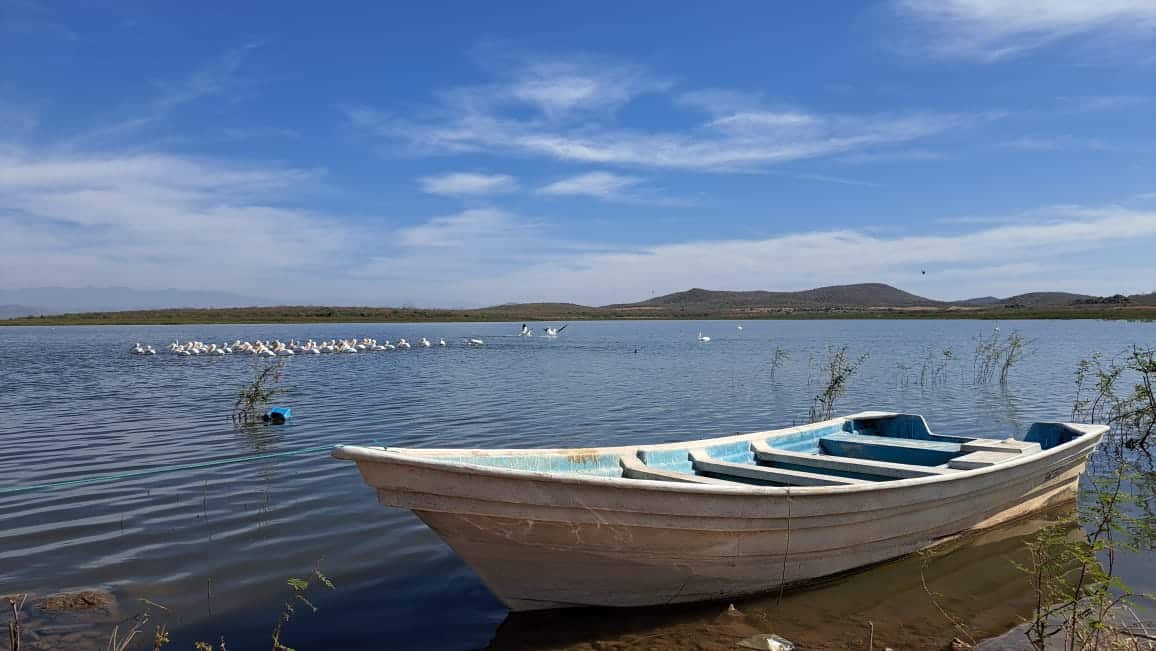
(160, 469)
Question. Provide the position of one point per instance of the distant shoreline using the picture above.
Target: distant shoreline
(290, 315)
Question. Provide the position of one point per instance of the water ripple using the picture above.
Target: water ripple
(224, 538)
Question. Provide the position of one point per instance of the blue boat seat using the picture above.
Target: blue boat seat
(1007, 446)
(981, 459)
(882, 469)
(634, 468)
(703, 462)
(894, 450)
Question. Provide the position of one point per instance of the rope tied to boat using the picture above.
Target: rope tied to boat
(786, 552)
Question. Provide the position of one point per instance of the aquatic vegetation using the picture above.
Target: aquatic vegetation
(16, 602)
(837, 372)
(255, 398)
(902, 373)
(996, 354)
(1100, 398)
(935, 365)
(299, 590)
(119, 642)
(933, 368)
(121, 639)
(777, 358)
(1079, 597)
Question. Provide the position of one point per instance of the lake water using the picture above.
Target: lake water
(215, 544)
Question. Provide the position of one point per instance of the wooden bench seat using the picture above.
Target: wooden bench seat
(981, 459)
(1010, 446)
(764, 452)
(703, 462)
(915, 452)
(633, 468)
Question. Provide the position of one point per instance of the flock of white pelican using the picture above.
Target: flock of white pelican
(278, 348)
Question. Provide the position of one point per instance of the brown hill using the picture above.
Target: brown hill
(705, 300)
(1046, 299)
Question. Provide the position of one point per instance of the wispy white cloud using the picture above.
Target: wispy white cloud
(157, 221)
(727, 144)
(468, 183)
(558, 87)
(30, 19)
(838, 180)
(430, 263)
(216, 77)
(235, 134)
(478, 227)
(521, 260)
(802, 260)
(542, 110)
(1056, 143)
(1090, 103)
(720, 101)
(990, 30)
(895, 156)
(602, 185)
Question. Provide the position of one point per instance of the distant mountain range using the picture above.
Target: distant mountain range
(862, 296)
(121, 305)
(65, 300)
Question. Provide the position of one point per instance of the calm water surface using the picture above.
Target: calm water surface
(216, 544)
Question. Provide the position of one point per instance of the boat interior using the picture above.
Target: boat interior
(860, 449)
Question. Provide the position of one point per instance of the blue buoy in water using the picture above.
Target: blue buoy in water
(278, 415)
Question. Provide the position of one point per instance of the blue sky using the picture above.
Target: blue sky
(468, 154)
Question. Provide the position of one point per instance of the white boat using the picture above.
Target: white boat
(724, 517)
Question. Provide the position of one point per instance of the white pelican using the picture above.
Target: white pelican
(441, 342)
(553, 332)
(402, 343)
(424, 343)
(740, 327)
(527, 331)
(473, 341)
(702, 338)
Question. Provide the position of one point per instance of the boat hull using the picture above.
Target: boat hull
(539, 541)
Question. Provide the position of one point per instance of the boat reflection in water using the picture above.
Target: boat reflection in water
(974, 579)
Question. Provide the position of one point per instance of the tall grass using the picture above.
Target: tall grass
(836, 372)
(16, 602)
(996, 355)
(777, 359)
(254, 398)
(1080, 600)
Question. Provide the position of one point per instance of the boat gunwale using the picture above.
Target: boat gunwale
(429, 458)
